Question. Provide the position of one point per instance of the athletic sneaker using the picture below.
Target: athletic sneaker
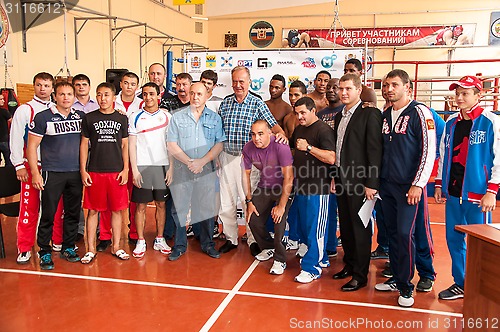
(388, 286)
(292, 245)
(278, 268)
(70, 255)
(46, 262)
(339, 242)
(376, 254)
(305, 277)
(216, 230)
(265, 255)
(161, 245)
(302, 251)
(324, 265)
(425, 284)
(24, 257)
(57, 247)
(452, 293)
(189, 231)
(332, 253)
(387, 272)
(140, 249)
(405, 298)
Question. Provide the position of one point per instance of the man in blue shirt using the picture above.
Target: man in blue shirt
(195, 139)
(57, 131)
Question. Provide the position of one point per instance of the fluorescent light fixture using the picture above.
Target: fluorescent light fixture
(199, 18)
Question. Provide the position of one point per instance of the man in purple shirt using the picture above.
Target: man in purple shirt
(272, 195)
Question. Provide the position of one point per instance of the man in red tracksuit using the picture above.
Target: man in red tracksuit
(30, 197)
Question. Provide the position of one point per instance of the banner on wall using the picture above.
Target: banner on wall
(292, 64)
(188, 2)
(460, 34)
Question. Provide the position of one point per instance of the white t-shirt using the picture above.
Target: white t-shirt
(150, 130)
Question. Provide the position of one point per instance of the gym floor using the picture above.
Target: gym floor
(198, 293)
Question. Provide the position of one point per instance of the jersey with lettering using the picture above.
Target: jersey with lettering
(105, 132)
(150, 130)
(60, 145)
(21, 120)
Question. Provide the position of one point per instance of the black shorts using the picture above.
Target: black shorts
(141, 195)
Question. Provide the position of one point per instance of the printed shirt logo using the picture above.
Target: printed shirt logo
(385, 127)
(477, 137)
(402, 125)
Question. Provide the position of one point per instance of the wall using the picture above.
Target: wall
(45, 43)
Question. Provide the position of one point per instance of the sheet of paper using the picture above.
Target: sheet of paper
(365, 213)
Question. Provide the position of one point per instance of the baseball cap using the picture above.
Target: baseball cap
(467, 82)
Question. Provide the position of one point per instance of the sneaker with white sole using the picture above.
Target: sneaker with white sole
(278, 268)
(292, 245)
(305, 277)
(161, 245)
(140, 249)
(388, 286)
(324, 265)
(265, 255)
(452, 293)
(24, 257)
(405, 298)
(302, 251)
(57, 247)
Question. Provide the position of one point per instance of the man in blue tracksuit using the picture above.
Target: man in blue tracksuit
(409, 154)
(469, 173)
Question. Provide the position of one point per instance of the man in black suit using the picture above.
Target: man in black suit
(358, 135)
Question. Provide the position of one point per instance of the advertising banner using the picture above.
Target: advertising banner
(292, 64)
(460, 34)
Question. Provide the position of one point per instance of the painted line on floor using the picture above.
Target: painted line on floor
(437, 223)
(351, 303)
(118, 281)
(211, 321)
(231, 293)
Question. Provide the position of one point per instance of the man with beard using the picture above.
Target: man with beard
(183, 83)
(278, 107)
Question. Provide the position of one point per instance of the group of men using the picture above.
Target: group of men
(290, 166)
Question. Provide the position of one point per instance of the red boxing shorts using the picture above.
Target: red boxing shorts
(105, 193)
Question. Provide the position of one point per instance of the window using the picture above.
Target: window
(198, 27)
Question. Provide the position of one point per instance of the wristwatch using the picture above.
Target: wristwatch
(309, 148)
(248, 200)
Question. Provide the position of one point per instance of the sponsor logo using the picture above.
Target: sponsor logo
(245, 63)
(292, 79)
(55, 118)
(327, 61)
(196, 62)
(309, 63)
(495, 28)
(309, 84)
(211, 61)
(256, 84)
(226, 61)
(263, 63)
(286, 63)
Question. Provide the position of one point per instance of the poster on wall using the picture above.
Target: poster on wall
(495, 29)
(438, 35)
(292, 64)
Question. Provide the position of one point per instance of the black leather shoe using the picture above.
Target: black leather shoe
(103, 245)
(227, 247)
(255, 249)
(344, 273)
(353, 285)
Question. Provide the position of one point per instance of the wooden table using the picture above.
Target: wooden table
(482, 278)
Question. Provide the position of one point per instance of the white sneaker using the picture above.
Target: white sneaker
(161, 245)
(302, 251)
(24, 257)
(265, 255)
(306, 277)
(57, 247)
(140, 249)
(388, 286)
(405, 298)
(324, 265)
(278, 268)
(292, 245)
